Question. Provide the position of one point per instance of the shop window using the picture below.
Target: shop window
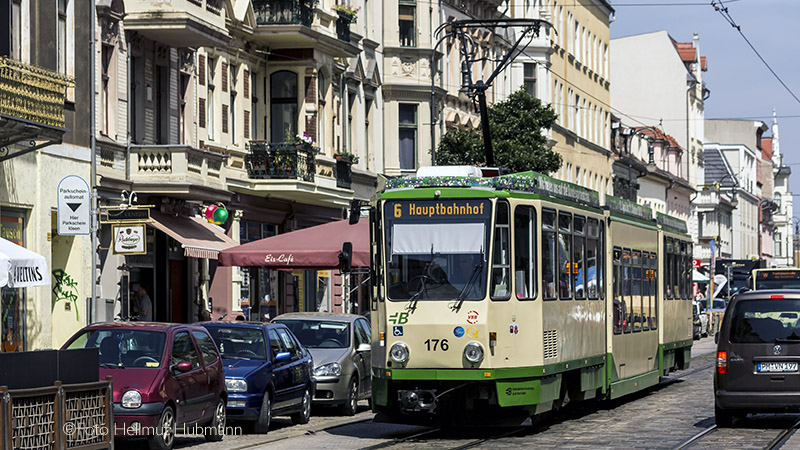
(549, 254)
(564, 255)
(525, 252)
(501, 265)
(283, 106)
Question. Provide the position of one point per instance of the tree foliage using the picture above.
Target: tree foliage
(517, 139)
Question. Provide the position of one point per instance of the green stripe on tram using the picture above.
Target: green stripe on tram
(488, 374)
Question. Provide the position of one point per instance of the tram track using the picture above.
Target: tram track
(441, 442)
(782, 437)
(776, 443)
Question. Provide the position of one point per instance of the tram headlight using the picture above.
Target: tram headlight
(399, 352)
(473, 352)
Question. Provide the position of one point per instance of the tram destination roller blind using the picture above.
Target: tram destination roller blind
(437, 238)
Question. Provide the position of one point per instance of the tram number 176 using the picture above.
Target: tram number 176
(434, 343)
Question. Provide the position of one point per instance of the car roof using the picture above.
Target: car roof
(236, 323)
(319, 316)
(152, 326)
(766, 294)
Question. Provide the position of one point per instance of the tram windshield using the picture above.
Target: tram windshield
(437, 250)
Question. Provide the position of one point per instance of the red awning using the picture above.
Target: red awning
(315, 247)
(198, 238)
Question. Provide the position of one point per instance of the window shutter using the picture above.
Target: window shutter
(247, 124)
(246, 84)
(224, 77)
(224, 118)
(201, 113)
(201, 70)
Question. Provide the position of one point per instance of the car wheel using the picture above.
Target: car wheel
(305, 414)
(350, 406)
(216, 429)
(723, 418)
(264, 416)
(164, 435)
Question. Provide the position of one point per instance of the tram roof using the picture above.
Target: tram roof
(525, 182)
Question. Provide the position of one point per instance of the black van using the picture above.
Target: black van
(758, 354)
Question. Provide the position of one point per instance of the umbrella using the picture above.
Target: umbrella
(20, 267)
(698, 277)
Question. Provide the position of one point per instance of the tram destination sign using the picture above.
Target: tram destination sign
(445, 209)
(672, 223)
(628, 208)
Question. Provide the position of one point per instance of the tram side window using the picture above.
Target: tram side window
(636, 289)
(564, 254)
(501, 265)
(666, 254)
(616, 291)
(525, 252)
(687, 270)
(674, 271)
(592, 260)
(601, 261)
(579, 257)
(653, 323)
(549, 254)
(646, 303)
(627, 289)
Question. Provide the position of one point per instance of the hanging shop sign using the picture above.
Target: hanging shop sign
(116, 215)
(129, 239)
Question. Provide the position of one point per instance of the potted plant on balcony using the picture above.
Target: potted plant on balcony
(347, 12)
(346, 157)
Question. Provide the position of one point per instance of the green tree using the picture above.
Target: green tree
(517, 139)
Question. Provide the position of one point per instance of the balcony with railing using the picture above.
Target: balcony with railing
(178, 23)
(268, 161)
(301, 24)
(31, 103)
(178, 169)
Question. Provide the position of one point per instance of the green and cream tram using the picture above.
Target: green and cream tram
(519, 293)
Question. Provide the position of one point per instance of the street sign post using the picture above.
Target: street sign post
(74, 206)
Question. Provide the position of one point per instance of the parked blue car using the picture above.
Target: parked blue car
(267, 372)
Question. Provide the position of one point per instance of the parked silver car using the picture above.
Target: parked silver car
(340, 347)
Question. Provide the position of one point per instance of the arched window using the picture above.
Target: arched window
(283, 105)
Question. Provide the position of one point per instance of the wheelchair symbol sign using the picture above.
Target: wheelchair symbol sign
(397, 330)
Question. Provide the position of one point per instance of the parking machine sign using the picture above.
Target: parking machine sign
(74, 206)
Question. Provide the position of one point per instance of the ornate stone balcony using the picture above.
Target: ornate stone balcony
(178, 23)
(31, 103)
(179, 170)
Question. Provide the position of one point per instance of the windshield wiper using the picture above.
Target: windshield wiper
(467, 287)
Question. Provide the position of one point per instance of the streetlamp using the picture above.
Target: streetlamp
(652, 138)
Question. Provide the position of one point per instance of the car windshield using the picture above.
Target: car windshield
(437, 250)
(719, 304)
(239, 342)
(319, 333)
(124, 348)
(765, 321)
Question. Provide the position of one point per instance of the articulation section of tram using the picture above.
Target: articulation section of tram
(506, 297)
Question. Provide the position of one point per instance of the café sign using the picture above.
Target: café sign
(129, 239)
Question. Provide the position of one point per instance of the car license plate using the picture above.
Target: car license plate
(776, 367)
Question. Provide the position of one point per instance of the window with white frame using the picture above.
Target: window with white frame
(529, 78)
(407, 23)
(234, 94)
(407, 114)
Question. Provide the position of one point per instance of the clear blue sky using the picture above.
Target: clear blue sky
(741, 85)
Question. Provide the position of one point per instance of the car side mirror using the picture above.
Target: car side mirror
(283, 357)
(183, 366)
(363, 348)
(716, 337)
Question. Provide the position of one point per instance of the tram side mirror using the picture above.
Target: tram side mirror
(346, 257)
(355, 211)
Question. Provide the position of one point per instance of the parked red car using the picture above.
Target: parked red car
(166, 377)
